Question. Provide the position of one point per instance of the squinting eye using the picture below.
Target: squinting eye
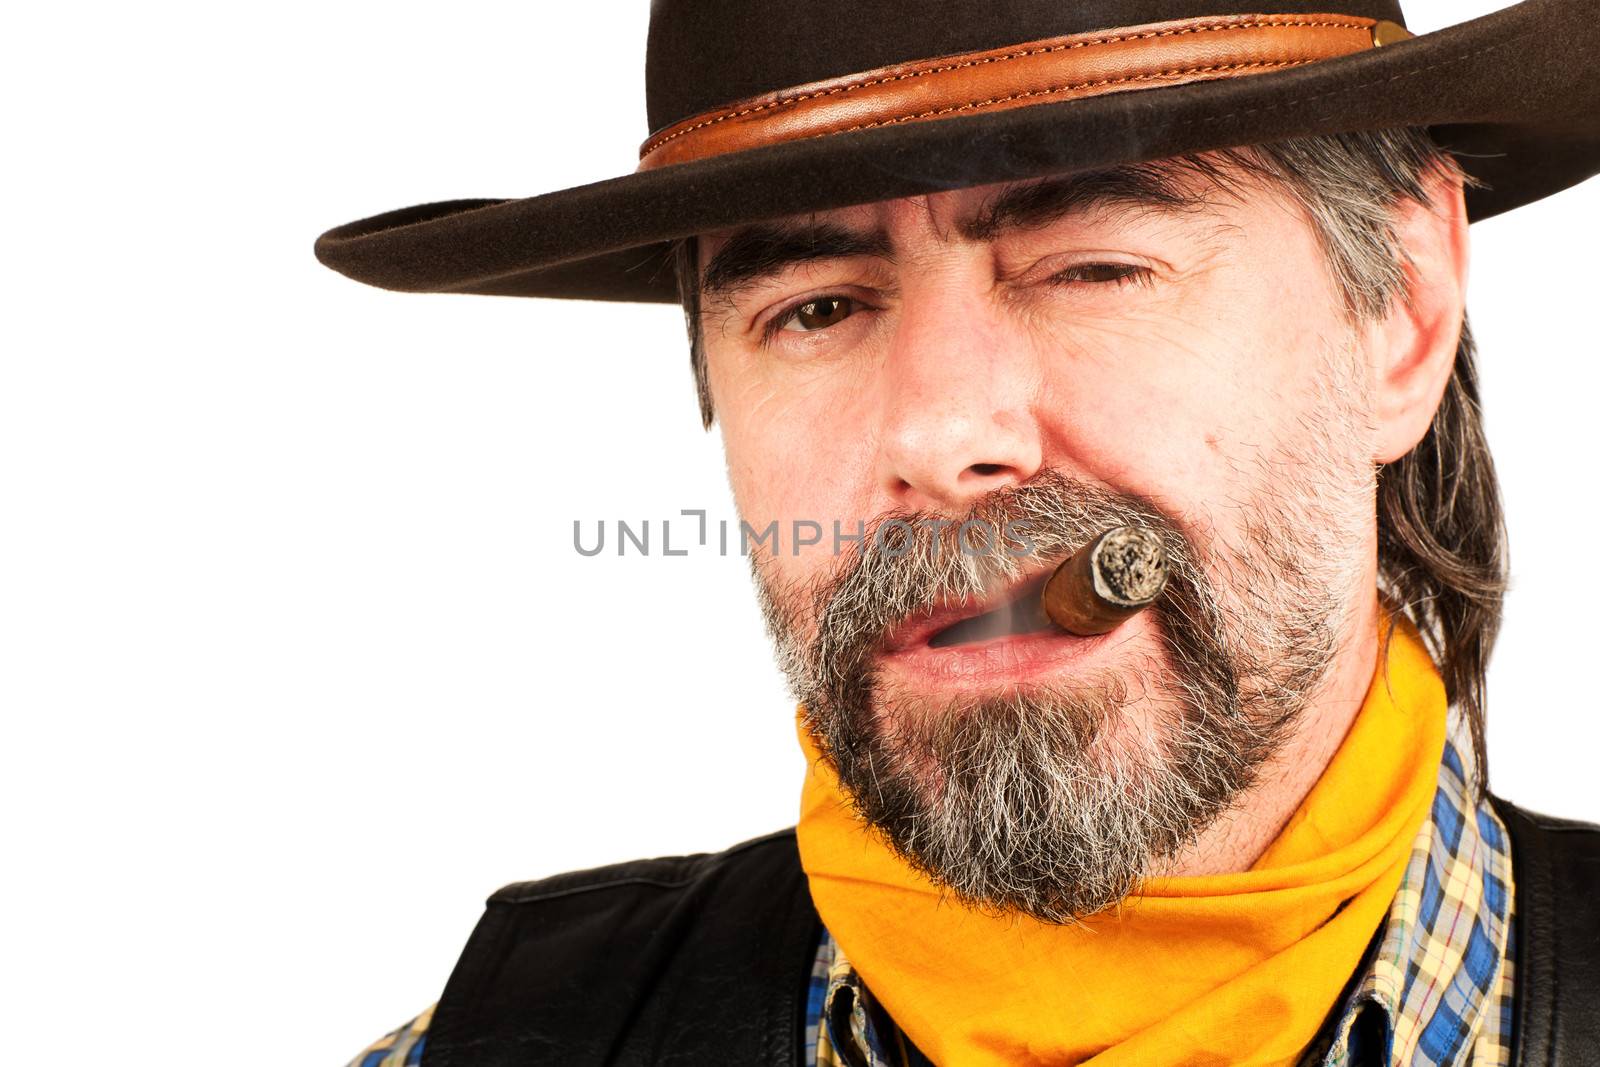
(1102, 273)
(816, 314)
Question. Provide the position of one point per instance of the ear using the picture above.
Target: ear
(1413, 347)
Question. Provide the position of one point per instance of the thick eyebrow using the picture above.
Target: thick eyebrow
(757, 252)
(1138, 188)
(760, 251)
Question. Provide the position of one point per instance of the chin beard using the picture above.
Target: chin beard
(1055, 801)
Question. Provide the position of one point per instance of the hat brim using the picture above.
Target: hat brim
(1515, 94)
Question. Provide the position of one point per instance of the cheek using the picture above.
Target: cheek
(798, 453)
(1183, 399)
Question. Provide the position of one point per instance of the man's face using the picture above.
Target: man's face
(1147, 346)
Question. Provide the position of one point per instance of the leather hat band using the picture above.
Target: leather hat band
(1059, 68)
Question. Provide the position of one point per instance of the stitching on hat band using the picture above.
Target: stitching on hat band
(1082, 65)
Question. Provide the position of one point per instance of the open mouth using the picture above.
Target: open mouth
(976, 644)
(1023, 613)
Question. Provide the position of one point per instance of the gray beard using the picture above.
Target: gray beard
(1055, 801)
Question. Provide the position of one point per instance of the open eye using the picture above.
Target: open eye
(816, 314)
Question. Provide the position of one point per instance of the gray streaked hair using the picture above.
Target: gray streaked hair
(1442, 556)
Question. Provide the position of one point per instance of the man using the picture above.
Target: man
(966, 292)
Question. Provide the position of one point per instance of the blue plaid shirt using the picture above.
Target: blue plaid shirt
(1434, 989)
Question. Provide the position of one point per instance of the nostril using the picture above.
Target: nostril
(987, 469)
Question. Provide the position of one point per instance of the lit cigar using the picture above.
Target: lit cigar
(1107, 581)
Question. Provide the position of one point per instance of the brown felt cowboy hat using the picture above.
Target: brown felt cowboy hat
(763, 108)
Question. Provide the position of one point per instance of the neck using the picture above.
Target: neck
(1236, 840)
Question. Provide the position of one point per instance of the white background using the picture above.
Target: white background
(298, 662)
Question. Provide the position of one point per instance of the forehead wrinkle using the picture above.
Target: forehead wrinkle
(755, 253)
(1176, 186)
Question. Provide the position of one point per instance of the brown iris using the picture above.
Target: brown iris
(822, 313)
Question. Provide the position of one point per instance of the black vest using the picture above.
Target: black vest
(705, 960)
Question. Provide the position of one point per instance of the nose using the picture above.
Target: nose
(959, 387)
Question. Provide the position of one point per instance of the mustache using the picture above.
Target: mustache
(912, 562)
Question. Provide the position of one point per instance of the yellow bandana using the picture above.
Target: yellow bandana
(1237, 969)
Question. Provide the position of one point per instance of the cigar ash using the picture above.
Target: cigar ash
(1127, 571)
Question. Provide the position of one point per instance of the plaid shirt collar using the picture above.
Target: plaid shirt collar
(1434, 989)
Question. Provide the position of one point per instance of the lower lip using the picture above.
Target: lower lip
(1012, 658)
